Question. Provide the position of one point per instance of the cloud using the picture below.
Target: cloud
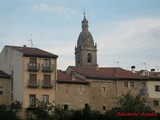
(131, 33)
(130, 42)
(62, 10)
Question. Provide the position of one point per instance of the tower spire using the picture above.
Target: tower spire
(84, 22)
(84, 11)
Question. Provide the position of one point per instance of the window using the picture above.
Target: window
(157, 87)
(66, 107)
(46, 66)
(86, 106)
(103, 88)
(125, 84)
(46, 98)
(78, 58)
(132, 84)
(33, 60)
(47, 80)
(32, 79)
(104, 107)
(89, 57)
(1, 90)
(32, 63)
(47, 63)
(155, 103)
(32, 100)
(143, 85)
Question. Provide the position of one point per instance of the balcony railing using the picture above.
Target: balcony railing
(33, 67)
(143, 91)
(48, 68)
(47, 83)
(33, 83)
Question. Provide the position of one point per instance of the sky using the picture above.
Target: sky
(127, 32)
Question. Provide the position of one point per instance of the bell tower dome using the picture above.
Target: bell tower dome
(86, 49)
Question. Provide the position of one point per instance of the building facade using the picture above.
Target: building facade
(72, 92)
(33, 74)
(108, 84)
(4, 88)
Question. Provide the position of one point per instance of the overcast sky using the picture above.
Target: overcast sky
(126, 31)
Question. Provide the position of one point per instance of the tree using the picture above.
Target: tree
(132, 108)
(8, 113)
(43, 111)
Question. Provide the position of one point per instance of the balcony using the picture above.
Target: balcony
(33, 67)
(47, 83)
(48, 68)
(143, 91)
(31, 106)
(33, 83)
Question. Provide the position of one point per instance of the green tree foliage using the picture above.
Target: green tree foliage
(8, 113)
(131, 108)
(87, 114)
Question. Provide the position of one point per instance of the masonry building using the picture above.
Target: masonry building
(33, 75)
(106, 84)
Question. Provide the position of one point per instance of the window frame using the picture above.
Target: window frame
(155, 103)
(104, 107)
(132, 84)
(126, 84)
(46, 99)
(32, 100)
(157, 88)
(89, 58)
(1, 90)
(143, 84)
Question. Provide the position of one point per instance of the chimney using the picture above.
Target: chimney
(73, 75)
(153, 70)
(133, 69)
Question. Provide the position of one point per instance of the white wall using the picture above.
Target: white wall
(11, 59)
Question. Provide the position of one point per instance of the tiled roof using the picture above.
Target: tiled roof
(62, 77)
(3, 75)
(33, 52)
(107, 73)
(149, 74)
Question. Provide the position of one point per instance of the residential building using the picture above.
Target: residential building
(4, 88)
(33, 74)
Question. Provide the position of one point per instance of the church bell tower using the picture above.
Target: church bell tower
(86, 49)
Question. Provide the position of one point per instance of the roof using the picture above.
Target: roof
(107, 73)
(149, 74)
(62, 77)
(33, 52)
(4, 75)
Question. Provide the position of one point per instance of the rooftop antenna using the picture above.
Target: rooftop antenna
(145, 65)
(157, 68)
(31, 40)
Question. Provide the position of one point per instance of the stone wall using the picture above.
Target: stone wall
(73, 95)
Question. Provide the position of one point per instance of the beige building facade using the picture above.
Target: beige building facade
(72, 92)
(4, 88)
(33, 72)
